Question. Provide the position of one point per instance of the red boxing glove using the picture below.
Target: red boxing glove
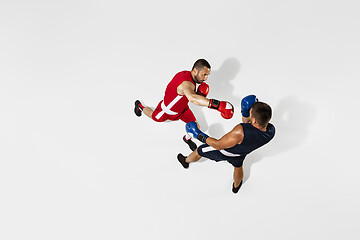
(203, 89)
(226, 109)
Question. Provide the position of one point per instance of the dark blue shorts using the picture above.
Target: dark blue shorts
(220, 155)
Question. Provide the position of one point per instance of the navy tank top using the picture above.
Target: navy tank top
(253, 139)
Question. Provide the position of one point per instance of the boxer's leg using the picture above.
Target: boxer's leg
(186, 117)
(193, 157)
(238, 176)
(148, 112)
(189, 142)
(141, 108)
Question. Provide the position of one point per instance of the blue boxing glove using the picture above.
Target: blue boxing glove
(192, 129)
(246, 104)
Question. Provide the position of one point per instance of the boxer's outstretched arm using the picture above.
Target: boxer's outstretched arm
(188, 89)
(235, 136)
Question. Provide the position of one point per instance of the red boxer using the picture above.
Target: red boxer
(179, 92)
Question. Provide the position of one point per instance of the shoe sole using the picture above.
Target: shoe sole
(191, 145)
(136, 109)
(181, 159)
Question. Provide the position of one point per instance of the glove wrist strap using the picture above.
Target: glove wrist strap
(214, 104)
(202, 137)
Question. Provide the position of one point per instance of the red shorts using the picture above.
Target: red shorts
(185, 116)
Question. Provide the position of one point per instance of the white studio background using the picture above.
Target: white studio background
(76, 163)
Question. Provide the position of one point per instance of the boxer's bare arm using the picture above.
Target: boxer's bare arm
(188, 89)
(235, 136)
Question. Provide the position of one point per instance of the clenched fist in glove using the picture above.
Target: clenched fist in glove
(203, 89)
(193, 130)
(226, 108)
(246, 104)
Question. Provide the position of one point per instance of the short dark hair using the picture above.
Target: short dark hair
(200, 63)
(262, 113)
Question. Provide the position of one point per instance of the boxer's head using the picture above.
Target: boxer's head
(201, 70)
(260, 114)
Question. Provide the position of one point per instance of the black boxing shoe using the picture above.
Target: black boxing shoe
(181, 159)
(137, 110)
(234, 189)
(191, 144)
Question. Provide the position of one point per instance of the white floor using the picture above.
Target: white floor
(76, 163)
